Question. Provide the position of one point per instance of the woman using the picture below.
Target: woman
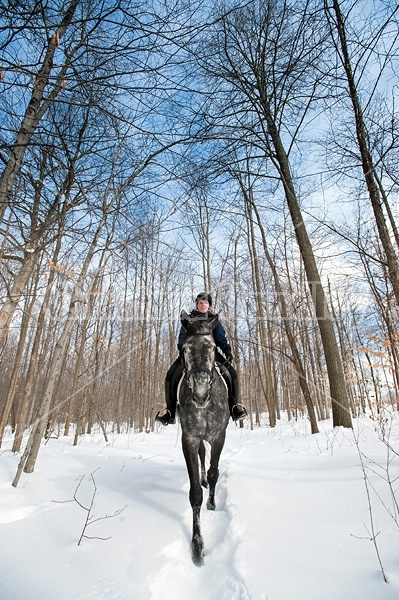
(203, 302)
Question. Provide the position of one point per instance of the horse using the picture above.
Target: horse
(204, 415)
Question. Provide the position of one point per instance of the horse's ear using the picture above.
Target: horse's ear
(185, 319)
(213, 321)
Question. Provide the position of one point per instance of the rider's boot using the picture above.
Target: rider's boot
(237, 410)
(166, 419)
(169, 416)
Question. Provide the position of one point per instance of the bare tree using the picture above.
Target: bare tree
(264, 337)
(268, 55)
(339, 25)
(46, 87)
(79, 296)
(39, 222)
(299, 367)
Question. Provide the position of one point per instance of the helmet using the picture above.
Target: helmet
(204, 296)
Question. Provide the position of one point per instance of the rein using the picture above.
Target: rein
(199, 370)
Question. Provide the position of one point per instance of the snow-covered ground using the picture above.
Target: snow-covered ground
(292, 519)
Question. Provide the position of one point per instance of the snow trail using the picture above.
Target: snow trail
(290, 520)
(218, 578)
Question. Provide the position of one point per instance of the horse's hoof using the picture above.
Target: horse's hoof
(204, 483)
(198, 560)
(197, 551)
(211, 505)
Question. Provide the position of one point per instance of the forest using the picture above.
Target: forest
(154, 149)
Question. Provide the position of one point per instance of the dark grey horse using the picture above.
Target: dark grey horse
(204, 414)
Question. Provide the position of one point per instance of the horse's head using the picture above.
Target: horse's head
(199, 355)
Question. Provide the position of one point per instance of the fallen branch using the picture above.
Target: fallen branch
(89, 518)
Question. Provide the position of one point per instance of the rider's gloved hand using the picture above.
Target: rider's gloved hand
(229, 356)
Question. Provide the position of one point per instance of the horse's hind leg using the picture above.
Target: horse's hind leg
(201, 452)
(213, 471)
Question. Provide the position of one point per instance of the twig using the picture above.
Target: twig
(373, 534)
(89, 518)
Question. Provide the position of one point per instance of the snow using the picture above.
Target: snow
(292, 520)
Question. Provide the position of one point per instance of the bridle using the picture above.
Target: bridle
(200, 369)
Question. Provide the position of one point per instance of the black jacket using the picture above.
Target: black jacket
(219, 333)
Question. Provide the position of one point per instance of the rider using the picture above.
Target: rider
(203, 302)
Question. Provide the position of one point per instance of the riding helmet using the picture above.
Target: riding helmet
(204, 296)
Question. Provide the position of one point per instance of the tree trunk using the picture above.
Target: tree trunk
(339, 399)
(300, 370)
(267, 370)
(29, 457)
(12, 390)
(19, 285)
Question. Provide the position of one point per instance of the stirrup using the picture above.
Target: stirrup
(238, 412)
(165, 419)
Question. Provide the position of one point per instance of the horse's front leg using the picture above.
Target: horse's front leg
(213, 471)
(190, 451)
(202, 455)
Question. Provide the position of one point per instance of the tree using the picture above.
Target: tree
(46, 87)
(377, 196)
(264, 57)
(299, 367)
(264, 336)
(79, 297)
